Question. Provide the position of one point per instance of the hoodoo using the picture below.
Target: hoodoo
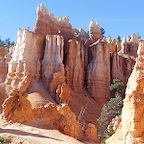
(59, 77)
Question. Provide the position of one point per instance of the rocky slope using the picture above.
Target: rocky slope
(59, 78)
(132, 128)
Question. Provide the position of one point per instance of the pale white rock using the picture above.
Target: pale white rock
(23, 64)
(124, 41)
(134, 39)
(42, 9)
(48, 24)
(52, 64)
(94, 31)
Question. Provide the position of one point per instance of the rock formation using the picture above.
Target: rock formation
(3, 52)
(75, 70)
(36, 81)
(94, 31)
(52, 64)
(53, 73)
(98, 72)
(122, 62)
(80, 32)
(91, 133)
(63, 94)
(130, 45)
(3, 64)
(24, 63)
(121, 66)
(3, 69)
(47, 24)
(115, 46)
(132, 112)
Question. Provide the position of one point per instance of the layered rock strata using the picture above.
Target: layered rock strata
(121, 66)
(3, 69)
(115, 46)
(94, 31)
(130, 45)
(48, 24)
(3, 64)
(52, 74)
(52, 64)
(132, 113)
(18, 108)
(98, 72)
(75, 70)
(25, 62)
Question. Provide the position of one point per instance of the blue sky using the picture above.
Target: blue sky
(118, 18)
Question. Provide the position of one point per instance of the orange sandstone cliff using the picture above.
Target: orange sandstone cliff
(132, 128)
(56, 77)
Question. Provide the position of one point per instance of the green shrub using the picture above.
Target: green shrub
(117, 87)
(108, 112)
(112, 108)
(2, 140)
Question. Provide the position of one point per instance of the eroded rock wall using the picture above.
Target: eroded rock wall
(48, 24)
(98, 72)
(3, 69)
(74, 64)
(51, 67)
(94, 31)
(25, 62)
(130, 45)
(133, 111)
(52, 64)
(3, 64)
(121, 66)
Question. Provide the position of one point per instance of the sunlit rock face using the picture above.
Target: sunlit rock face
(61, 79)
(122, 61)
(25, 62)
(94, 31)
(48, 24)
(52, 64)
(75, 70)
(132, 115)
(115, 46)
(98, 72)
(130, 45)
(133, 110)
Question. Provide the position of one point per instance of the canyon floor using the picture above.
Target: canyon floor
(16, 133)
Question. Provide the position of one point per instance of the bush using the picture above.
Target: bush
(112, 108)
(117, 87)
(108, 112)
(2, 140)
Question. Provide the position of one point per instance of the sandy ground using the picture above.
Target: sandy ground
(23, 134)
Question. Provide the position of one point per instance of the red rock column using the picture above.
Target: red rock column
(121, 67)
(52, 64)
(75, 64)
(98, 72)
(3, 70)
